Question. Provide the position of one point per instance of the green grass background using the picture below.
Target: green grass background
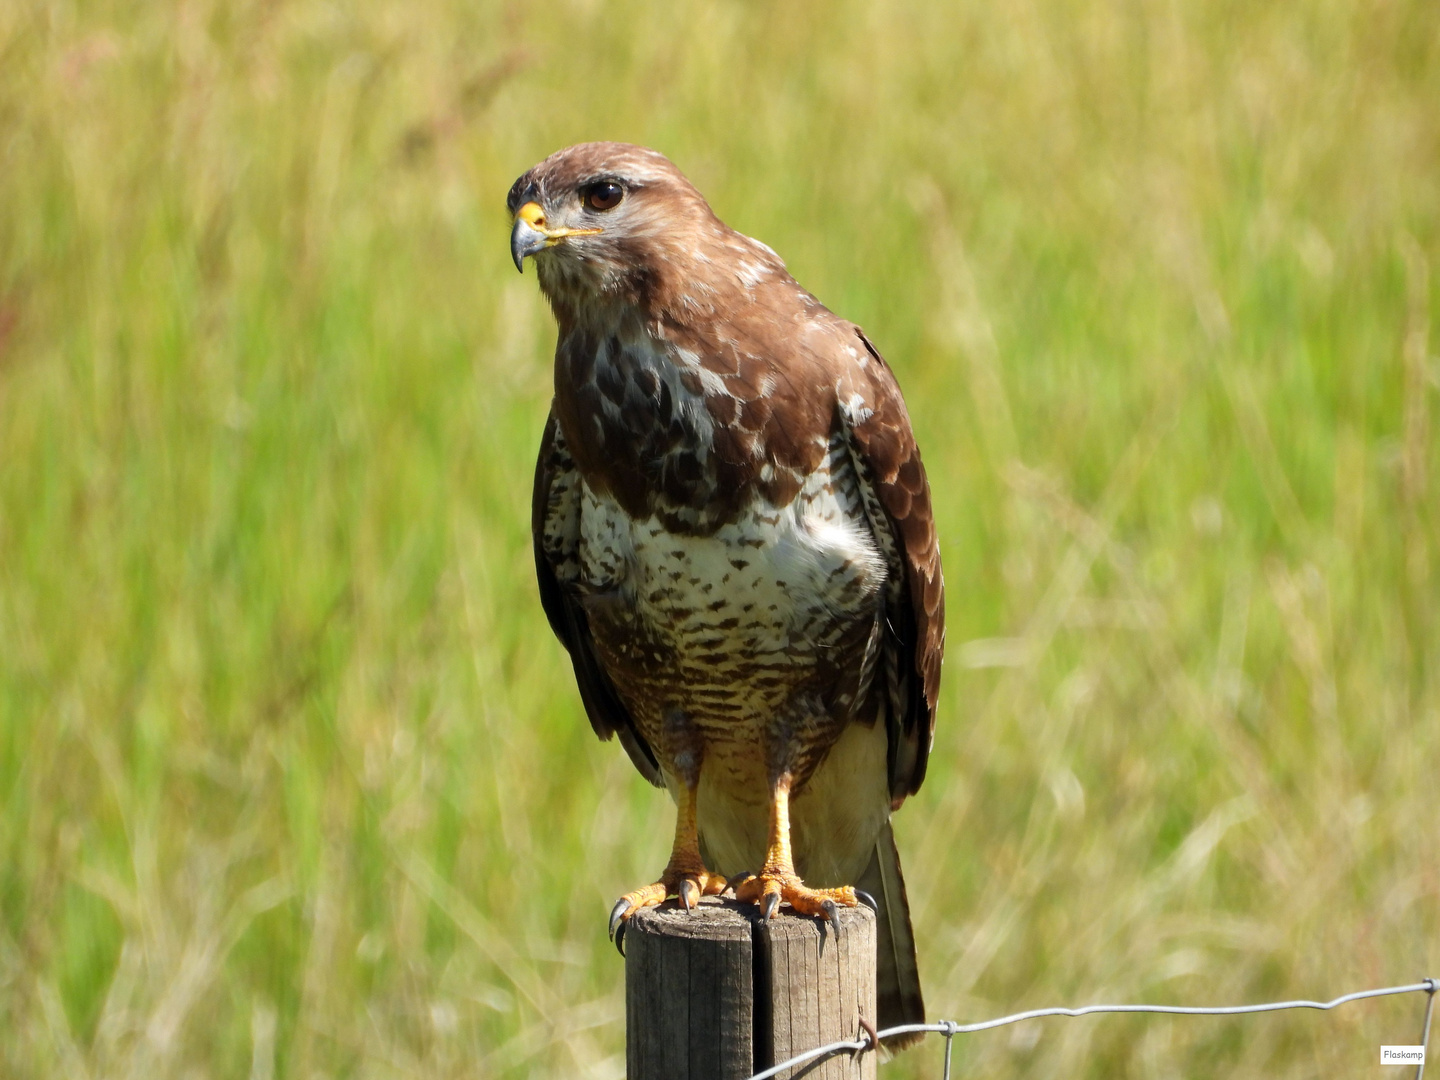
(294, 781)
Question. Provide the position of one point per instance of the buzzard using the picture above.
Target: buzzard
(734, 541)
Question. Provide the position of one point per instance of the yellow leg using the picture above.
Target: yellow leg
(779, 882)
(685, 876)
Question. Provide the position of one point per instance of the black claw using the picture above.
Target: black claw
(689, 895)
(617, 917)
(769, 904)
(868, 900)
(832, 912)
(620, 937)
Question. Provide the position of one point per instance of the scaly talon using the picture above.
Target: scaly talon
(738, 883)
(778, 882)
(619, 937)
(772, 888)
(618, 914)
(832, 912)
(685, 877)
(868, 900)
(687, 885)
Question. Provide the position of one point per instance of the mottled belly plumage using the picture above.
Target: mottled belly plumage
(766, 627)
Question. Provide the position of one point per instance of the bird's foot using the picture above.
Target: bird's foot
(771, 888)
(688, 884)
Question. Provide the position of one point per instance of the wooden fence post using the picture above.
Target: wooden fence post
(722, 993)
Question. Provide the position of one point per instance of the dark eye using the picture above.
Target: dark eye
(602, 195)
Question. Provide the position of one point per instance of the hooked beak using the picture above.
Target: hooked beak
(530, 234)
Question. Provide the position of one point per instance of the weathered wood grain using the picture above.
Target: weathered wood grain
(815, 989)
(721, 993)
(688, 994)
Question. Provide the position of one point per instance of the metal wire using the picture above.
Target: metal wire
(1425, 1028)
(950, 1028)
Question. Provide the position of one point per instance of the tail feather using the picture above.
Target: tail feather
(897, 975)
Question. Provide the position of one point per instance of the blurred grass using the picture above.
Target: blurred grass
(293, 780)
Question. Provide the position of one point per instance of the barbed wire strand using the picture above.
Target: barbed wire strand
(949, 1028)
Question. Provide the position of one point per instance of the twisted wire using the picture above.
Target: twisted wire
(949, 1028)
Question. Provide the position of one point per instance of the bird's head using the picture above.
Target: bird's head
(607, 220)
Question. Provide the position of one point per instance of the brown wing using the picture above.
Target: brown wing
(897, 498)
(555, 527)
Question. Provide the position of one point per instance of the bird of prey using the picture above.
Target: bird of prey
(734, 542)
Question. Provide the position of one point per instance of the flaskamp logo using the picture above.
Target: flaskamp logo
(1402, 1055)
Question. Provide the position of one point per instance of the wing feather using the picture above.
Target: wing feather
(555, 528)
(897, 500)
